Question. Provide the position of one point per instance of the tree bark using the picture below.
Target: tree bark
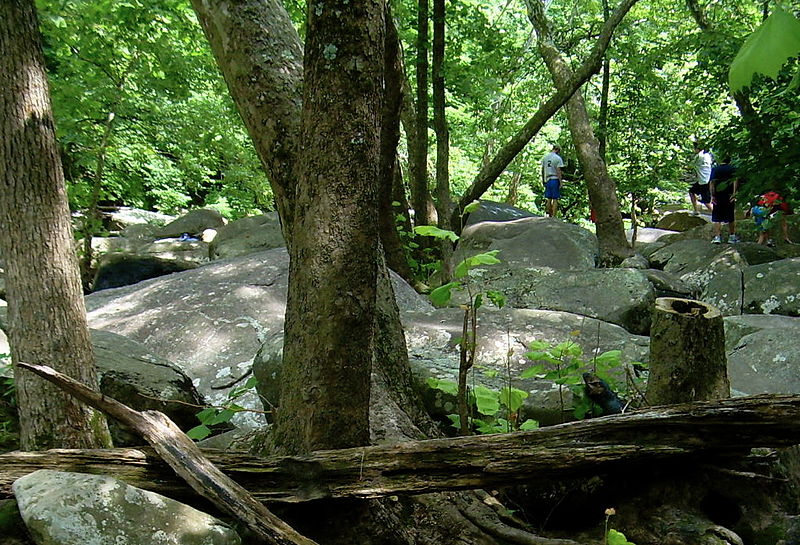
(687, 353)
(697, 433)
(46, 312)
(420, 194)
(261, 57)
(490, 171)
(331, 304)
(602, 190)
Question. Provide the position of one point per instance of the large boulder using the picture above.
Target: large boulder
(497, 211)
(212, 320)
(192, 223)
(61, 508)
(768, 288)
(680, 221)
(531, 242)
(503, 339)
(124, 217)
(763, 354)
(246, 236)
(621, 296)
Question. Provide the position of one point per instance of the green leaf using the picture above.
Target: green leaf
(455, 421)
(471, 207)
(766, 50)
(529, 425)
(538, 345)
(486, 400)
(442, 295)
(491, 373)
(533, 370)
(486, 258)
(478, 302)
(433, 231)
(610, 358)
(223, 416)
(617, 538)
(568, 348)
(206, 414)
(198, 432)
(497, 298)
(446, 386)
(513, 398)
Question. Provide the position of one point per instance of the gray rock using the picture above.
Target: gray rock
(669, 285)
(647, 234)
(211, 321)
(61, 508)
(246, 236)
(124, 217)
(621, 296)
(768, 288)
(117, 270)
(636, 261)
(680, 221)
(133, 375)
(497, 211)
(531, 242)
(194, 223)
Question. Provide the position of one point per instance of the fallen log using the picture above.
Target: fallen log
(184, 458)
(709, 430)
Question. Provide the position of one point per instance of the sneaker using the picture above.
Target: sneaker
(716, 240)
(771, 243)
(733, 239)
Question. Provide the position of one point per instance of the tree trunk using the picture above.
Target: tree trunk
(602, 190)
(261, 57)
(490, 171)
(443, 201)
(420, 194)
(46, 313)
(687, 353)
(330, 310)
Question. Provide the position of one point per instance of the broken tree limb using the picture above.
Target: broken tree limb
(185, 458)
(704, 429)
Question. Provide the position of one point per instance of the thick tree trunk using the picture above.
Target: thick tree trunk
(687, 353)
(602, 190)
(46, 313)
(697, 433)
(330, 310)
(261, 57)
(490, 171)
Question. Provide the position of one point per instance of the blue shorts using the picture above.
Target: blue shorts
(552, 189)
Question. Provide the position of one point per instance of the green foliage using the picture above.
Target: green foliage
(498, 409)
(7, 386)
(617, 538)
(766, 50)
(217, 416)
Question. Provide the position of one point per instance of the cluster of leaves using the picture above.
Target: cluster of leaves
(9, 426)
(212, 418)
(175, 139)
(498, 409)
(564, 364)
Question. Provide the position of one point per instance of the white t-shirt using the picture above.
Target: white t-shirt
(702, 166)
(550, 162)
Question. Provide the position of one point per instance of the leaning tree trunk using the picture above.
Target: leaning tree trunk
(602, 190)
(687, 353)
(46, 313)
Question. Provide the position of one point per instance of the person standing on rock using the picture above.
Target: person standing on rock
(552, 163)
(703, 162)
(723, 185)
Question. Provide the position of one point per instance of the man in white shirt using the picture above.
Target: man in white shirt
(552, 163)
(703, 162)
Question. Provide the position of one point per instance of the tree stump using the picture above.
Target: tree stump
(687, 353)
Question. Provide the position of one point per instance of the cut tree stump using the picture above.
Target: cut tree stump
(687, 353)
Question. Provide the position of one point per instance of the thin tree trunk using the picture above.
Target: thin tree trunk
(333, 268)
(443, 201)
(602, 123)
(46, 313)
(419, 182)
(602, 189)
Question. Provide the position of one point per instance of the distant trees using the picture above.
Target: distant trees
(46, 314)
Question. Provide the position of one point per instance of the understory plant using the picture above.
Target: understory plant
(212, 418)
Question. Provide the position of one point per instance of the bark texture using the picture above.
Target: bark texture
(46, 313)
(330, 311)
(687, 353)
(602, 190)
(420, 194)
(694, 433)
